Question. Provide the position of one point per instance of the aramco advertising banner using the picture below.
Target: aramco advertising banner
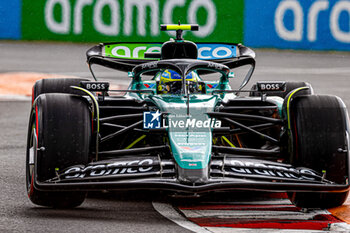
(10, 19)
(298, 24)
(285, 24)
(130, 20)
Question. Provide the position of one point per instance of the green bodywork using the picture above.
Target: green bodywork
(190, 146)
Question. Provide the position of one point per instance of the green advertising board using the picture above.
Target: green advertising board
(130, 20)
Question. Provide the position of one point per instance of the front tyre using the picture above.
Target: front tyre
(56, 85)
(320, 130)
(58, 137)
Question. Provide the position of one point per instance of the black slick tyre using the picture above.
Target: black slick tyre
(56, 85)
(58, 137)
(320, 128)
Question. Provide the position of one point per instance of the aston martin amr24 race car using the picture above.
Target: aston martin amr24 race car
(180, 132)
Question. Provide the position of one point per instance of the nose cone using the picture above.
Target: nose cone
(193, 176)
(191, 149)
(190, 134)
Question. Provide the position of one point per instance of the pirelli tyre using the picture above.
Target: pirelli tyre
(320, 136)
(58, 137)
(290, 86)
(56, 85)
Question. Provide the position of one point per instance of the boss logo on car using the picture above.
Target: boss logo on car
(95, 86)
(271, 86)
(119, 167)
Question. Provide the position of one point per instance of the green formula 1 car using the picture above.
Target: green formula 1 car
(181, 127)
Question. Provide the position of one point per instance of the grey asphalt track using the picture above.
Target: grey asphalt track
(329, 73)
(125, 212)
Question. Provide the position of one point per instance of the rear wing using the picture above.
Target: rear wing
(124, 56)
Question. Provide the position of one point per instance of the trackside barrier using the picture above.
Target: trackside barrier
(130, 20)
(283, 24)
(10, 19)
(298, 24)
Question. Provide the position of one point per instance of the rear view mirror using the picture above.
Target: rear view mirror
(231, 75)
(130, 74)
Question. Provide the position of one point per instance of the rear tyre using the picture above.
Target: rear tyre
(58, 137)
(290, 86)
(56, 85)
(319, 126)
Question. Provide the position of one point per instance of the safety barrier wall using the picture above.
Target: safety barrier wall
(285, 24)
(10, 19)
(129, 20)
(298, 24)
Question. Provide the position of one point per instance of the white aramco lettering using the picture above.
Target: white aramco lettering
(113, 28)
(115, 168)
(116, 51)
(339, 34)
(295, 34)
(78, 15)
(320, 7)
(201, 50)
(62, 27)
(219, 52)
(146, 162)
(210, 24)
(141, 16)
(247, 167)
(135, 52)
(227, 53)
(312, 18)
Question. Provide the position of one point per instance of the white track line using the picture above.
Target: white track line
(253, 214)
(251, 230)
(256, 202)
(339, 227)
(167, 211)
(170, 213)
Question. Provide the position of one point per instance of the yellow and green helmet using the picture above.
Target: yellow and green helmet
(170, 82)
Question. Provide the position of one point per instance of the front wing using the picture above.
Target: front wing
(225, 173)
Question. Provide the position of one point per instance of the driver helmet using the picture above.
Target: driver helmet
(170, 82)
